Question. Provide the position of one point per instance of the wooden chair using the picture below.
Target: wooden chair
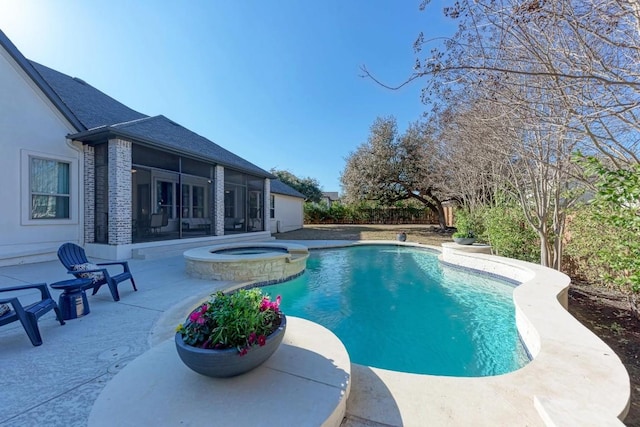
(29, 314)
(75, 260)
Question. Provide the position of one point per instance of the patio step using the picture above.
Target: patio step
(171, 248)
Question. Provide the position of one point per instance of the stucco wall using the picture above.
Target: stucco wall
(30, 126)
(288, 211)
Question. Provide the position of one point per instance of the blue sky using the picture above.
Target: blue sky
(276, 82)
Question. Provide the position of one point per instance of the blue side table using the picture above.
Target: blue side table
(73, 300)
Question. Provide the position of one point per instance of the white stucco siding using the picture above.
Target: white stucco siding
(288, 211)
(31, 126)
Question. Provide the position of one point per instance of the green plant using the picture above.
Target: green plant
(240, 319)
(509, 234)
(616, 328)
(617, 204)
(590, 243)
(465, 224)
(469, 234)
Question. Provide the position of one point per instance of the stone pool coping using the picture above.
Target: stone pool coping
(208, 253)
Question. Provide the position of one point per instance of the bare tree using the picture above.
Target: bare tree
(588, 50)
(547, 78)
(391, 167)
(502, 145)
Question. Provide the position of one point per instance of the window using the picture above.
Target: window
(272, 210)
(49, 189)
(164, 197)
(193, 201)
(229, 203)
(198, 205)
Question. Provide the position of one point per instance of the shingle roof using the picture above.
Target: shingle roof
(98, 112)
(90, 106)
(93, 113)
(168, 134)
(280, 187)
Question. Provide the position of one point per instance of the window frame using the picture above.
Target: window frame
(26, 193)
(272, 206)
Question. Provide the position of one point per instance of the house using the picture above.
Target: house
(330, 197)
(287, 212)
(79, 166)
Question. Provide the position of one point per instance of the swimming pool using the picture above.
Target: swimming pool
(399, 308)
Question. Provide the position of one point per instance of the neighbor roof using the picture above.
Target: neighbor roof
(280, 187)
(96, 115)
(331, 195)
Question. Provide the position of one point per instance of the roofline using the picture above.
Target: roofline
(288, 195)
(39, 81)
(97, 135)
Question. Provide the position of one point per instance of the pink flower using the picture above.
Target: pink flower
(252, 337)
(262, 340)
(243, 351)
(198, 315)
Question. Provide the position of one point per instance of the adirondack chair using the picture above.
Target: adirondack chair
(74, 259)
(29, 314)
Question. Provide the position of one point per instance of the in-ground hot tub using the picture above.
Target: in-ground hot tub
(261, 262)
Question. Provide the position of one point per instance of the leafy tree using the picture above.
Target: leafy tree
(390, 167)
(617, 204)
(310, 187)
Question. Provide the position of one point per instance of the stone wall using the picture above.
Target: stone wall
(119, 192)
(219, 201)
(259, 270)
(89, 177)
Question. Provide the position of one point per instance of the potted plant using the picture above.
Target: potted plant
(467, 237)
(231, 333)
(464, 224)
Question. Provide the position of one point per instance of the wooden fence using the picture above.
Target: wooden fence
(381, 216)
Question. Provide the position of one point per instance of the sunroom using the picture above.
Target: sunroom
(153, 180)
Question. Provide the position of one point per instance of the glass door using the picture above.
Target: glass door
(255, 210)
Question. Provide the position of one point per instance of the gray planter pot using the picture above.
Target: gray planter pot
(464, 240)
(228, 362)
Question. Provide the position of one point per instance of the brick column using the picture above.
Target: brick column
(89, 188)
(219, 201)
(119, 192)
(267, 205)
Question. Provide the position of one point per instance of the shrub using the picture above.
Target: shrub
(468, 224)
(588, 245)
(509, 234)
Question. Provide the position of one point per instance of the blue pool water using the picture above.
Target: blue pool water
(399, 308)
